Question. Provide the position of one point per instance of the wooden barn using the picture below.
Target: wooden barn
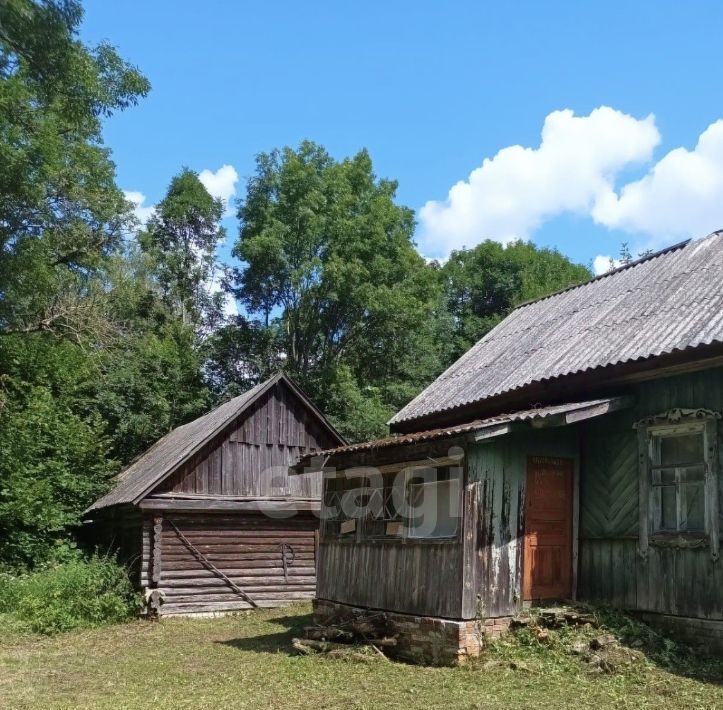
(209, 519)
(572, 453)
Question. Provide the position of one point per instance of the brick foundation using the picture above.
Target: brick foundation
(422, 639)
(703, 634)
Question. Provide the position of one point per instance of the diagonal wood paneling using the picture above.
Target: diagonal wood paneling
(609, 483)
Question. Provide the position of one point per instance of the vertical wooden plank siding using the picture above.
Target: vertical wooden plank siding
(619, 565)
(500, 468)
(252, 457)
(424, 578)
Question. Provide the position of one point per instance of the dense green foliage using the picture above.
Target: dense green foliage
(182, 237)
(112, 332)
(331, 267)
(94, 363)
(78, 593)
(483, 284)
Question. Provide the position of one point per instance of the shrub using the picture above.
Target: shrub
(79, 593)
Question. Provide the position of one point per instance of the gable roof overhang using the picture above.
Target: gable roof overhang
(474, 431)
(177, 447)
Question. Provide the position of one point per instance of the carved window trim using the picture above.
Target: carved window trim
(701, 420)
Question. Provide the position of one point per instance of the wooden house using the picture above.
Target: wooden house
(572, 453)
(209, 518)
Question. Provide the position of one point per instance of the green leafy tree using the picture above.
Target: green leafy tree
(330, 265)
(62, 218)
(182, 237)
(152, 379)
(61, 212)
(53, 447)
(482, 285)
(239, 355)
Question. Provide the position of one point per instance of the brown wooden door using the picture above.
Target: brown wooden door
(548, 529)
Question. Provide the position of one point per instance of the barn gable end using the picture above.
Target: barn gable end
(251, 456)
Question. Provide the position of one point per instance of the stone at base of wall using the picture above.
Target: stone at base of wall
(421, 639)
(702, 634)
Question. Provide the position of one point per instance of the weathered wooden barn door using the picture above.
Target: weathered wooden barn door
(547, 572)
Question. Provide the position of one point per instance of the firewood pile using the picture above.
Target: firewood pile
(360, 638)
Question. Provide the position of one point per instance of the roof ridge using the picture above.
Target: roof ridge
(616, 270)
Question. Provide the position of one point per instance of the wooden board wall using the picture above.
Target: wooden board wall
(670, 580)
(498, 468)
(412, 578)
(252, 456)
(246, 548)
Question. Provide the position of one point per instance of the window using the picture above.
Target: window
(343, 497)
(679, 496)
(678, 479)
(409, 504)
(433, 506)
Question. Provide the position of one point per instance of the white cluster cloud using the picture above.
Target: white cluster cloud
(142, 211)
(514, 192)
(575, 170)
(680, 196)
(221, 184)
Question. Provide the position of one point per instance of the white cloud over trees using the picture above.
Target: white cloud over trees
(576, 169)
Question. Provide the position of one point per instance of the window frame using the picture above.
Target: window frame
(456, 471)
(651, 431)
(656, 435)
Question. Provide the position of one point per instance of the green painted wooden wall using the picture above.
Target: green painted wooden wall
(499, 468)
(670, 580)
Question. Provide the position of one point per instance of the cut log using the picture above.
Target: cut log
(328, 633)
(312, 646)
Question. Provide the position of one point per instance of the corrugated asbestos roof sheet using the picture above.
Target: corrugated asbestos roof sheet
(584, 410)
(670, 301)
(175, 447)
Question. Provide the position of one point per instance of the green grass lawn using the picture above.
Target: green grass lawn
(246, 662)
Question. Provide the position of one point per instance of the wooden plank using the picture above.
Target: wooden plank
(262, 506)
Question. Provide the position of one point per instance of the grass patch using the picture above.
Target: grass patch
(246, 662)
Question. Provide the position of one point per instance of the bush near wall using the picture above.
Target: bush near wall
(79, 593)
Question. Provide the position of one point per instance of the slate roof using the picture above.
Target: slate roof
(172, 450)
(669, 301)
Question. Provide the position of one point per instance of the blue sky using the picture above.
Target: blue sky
(628, 93)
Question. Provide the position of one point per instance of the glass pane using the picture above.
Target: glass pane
(435, 509)
(686, 448)
(668, 508)
(694, 508)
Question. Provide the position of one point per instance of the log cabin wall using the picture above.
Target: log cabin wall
(220, 562)
(671, 579)
(495, 492)
(251, 457)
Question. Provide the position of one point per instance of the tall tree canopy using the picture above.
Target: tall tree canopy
(330, 265)
(482, 285)
(61, 219)
(182, 236)
(60, 209)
